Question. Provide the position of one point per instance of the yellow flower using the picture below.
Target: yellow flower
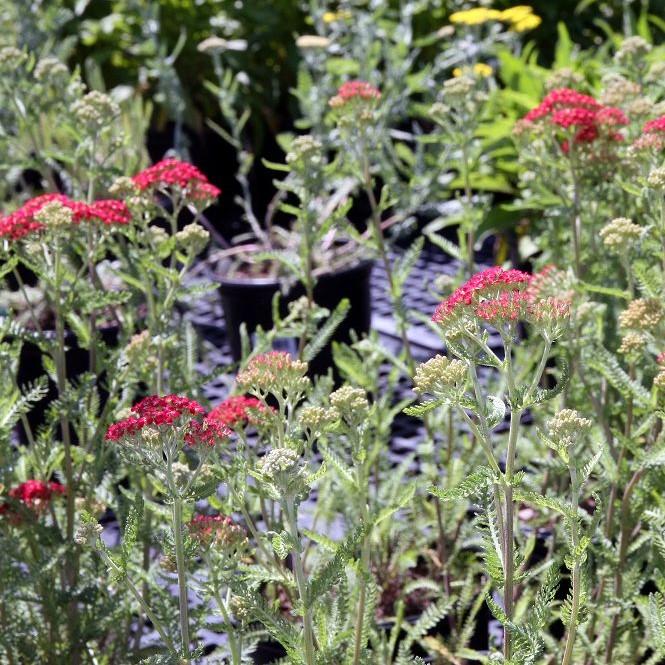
(475, 16)
(479, 69)
(331, 17)
(516, 14)
(482, 69)
(527, 23)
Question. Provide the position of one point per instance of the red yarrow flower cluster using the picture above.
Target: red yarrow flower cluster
(235, 410)
(355, 90)
(499, 297)
(653, 135)
(34, 495)
(170, 173)
(493, 280)
(23, 222)
(653, 126)
(170, 411)
(218, 531)
(570, 109)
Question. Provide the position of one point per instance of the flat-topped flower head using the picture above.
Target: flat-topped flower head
(33, 495)
(28, 219)
(620, 234)
(566, 427)
(354, 91)
(441, 377)
(652, 136)
(154, 416)
(580, 117)
(350, 404)
(456, 310)
(642, 314)
(274, 372)
(217, 532)
(173, 173)
(507, 307)
(236, 411)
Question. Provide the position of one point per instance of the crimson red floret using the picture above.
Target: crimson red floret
(234, 410)
(22, 222)
(170, 172)
(480, 282)
(362, 89)
(653, 126)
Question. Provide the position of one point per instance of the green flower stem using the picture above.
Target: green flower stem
(182, 575)
(146, 608)
(509, 536)
(576, 572)
(365, 560)
(383, 253)
(624, 541)
(471, 232)
(71, 563)
(576, 230)
(308, 250)
(230, 633)
(301, 581)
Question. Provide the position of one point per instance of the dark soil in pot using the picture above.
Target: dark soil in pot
(249, 301)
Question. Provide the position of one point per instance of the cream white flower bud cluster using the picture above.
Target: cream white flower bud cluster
(279, 461)
(193, 238)
(55, 216)
(350, 403)
(441, 376)
(566, 427)
(620, 234)
(632, 48)
(95, 110)
(642, 314)
(656, 178)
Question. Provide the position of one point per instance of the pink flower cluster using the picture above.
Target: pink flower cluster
(33, 494)
(653, 135)
(499, 296)
(170, 411)
(172, 172)
(216, 530)
(235, 410)
(566, 108)
(491, 280)
(353, 90)
(22, 222)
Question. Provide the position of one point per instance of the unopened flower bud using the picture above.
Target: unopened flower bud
(656, 179)
(88, 533)
(51, 70)
(54, 215)
(632, 48)
(441, 376)
(95, 110)
(350, 404)
(620, 234)
(566, 427)
(193, 238)
(642, 314)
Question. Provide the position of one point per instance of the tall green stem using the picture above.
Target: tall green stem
(301, 581)
(509, 536)
(365, 559)
(576, 572)
(182, 576)
(71, 563)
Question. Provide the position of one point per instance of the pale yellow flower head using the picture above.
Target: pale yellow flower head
(475, 16)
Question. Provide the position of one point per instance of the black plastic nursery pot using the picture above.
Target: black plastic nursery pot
(249, 301)
(31, 367)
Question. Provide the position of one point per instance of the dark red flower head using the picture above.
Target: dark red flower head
(22, 222)
(172, 172)
(170, 411)
(570, 109)
(34, 495)
(235, 410)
